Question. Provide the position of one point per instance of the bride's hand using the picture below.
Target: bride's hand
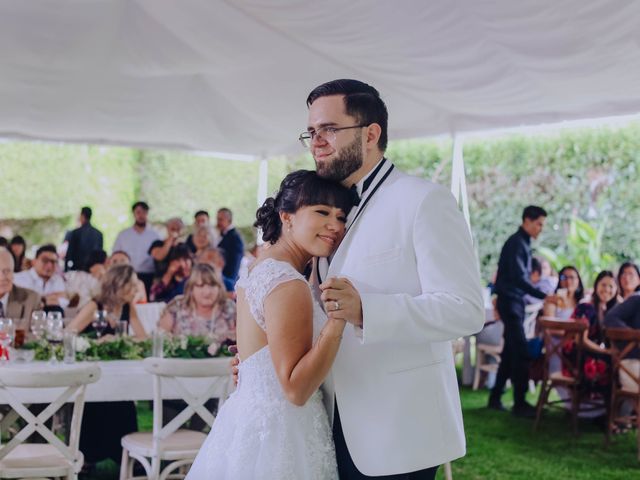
(342, 300)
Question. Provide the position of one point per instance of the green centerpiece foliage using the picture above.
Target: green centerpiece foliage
(128, 348)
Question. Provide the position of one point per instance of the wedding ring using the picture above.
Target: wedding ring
(336, 305)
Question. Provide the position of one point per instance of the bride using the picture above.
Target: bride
(274, 426)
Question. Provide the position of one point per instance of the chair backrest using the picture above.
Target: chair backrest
(625, 347)
(531, 312)
(170, 371)
(149, 314)
(41, 375)
(556, 334)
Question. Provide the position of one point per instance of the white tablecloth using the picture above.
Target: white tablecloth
(120, 380)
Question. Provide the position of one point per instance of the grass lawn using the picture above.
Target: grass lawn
(501, 447)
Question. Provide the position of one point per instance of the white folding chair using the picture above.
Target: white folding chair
(531, 319)
(149, 314)
(170, 443)
(55, 458)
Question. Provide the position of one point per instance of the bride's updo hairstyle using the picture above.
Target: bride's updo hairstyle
(299, 189)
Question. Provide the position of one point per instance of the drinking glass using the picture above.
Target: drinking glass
(157, 349)
(7, 331)
(38, 323)
(122, 328)
(55, 331)
(100, 322)
(69, 344)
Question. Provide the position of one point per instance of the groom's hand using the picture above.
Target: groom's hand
(342, 300)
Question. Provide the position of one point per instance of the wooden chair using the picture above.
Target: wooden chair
(555, 333)
(487, 360)
(171, 443)
(55, 458)
(625, 345)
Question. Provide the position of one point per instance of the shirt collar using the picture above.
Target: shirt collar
(363, 184)
(524, 234)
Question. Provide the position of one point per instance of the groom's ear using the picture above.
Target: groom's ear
(373, 135)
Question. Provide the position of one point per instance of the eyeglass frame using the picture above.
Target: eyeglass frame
(309, 136)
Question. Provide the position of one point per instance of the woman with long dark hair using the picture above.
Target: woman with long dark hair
(628, 279)
(18, 248)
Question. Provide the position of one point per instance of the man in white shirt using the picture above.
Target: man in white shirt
(43, 279)
(136, 241)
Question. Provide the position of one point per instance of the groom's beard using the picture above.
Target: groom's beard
(349, 160)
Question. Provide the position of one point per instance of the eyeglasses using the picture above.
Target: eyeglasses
(568, 277)
(328, 134)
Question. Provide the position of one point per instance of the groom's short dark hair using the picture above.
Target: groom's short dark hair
(361, 101)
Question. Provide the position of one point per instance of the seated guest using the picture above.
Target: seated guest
(15, 302)
(570, 292)
(213, 256)
(43, 279)
(18, 248)
(628, 279)
(105, 423)
(118, 288)
(160, 249)
(204, 309)
(83, 285)
(201, 241)
(596, 361)
(543, 284)
(201, 219)
(173, 280)
(120, 257)
(627, 315)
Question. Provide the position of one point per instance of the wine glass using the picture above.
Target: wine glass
(100, 322)
(55, 330)
(38, 323)
(7, 331)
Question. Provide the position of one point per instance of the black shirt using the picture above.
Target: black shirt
(514, 268)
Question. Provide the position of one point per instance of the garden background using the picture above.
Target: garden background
(588, 174)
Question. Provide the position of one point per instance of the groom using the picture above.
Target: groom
(406, 277)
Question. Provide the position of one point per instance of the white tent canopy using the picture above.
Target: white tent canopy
(233, 76)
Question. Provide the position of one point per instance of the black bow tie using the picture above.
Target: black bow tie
(353, 193)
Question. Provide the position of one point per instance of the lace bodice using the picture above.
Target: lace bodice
(261, 280)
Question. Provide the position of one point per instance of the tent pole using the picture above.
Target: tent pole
(458, 178)
(261, 194)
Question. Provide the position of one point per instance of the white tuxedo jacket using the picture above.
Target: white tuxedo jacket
(409, 254)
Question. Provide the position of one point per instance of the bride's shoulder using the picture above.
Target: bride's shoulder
(268, 273)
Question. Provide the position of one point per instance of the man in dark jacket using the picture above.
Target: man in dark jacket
(82, 241)
(231, 244)
(512, 283)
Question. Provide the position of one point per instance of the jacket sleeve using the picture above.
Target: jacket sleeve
(623, 314)
(450, 304)
(520, 274)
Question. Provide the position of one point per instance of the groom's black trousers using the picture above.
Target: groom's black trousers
(348, 471)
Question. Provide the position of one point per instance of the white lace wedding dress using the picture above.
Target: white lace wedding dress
(258, 434)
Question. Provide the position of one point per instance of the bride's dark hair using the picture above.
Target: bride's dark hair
(299, 189)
